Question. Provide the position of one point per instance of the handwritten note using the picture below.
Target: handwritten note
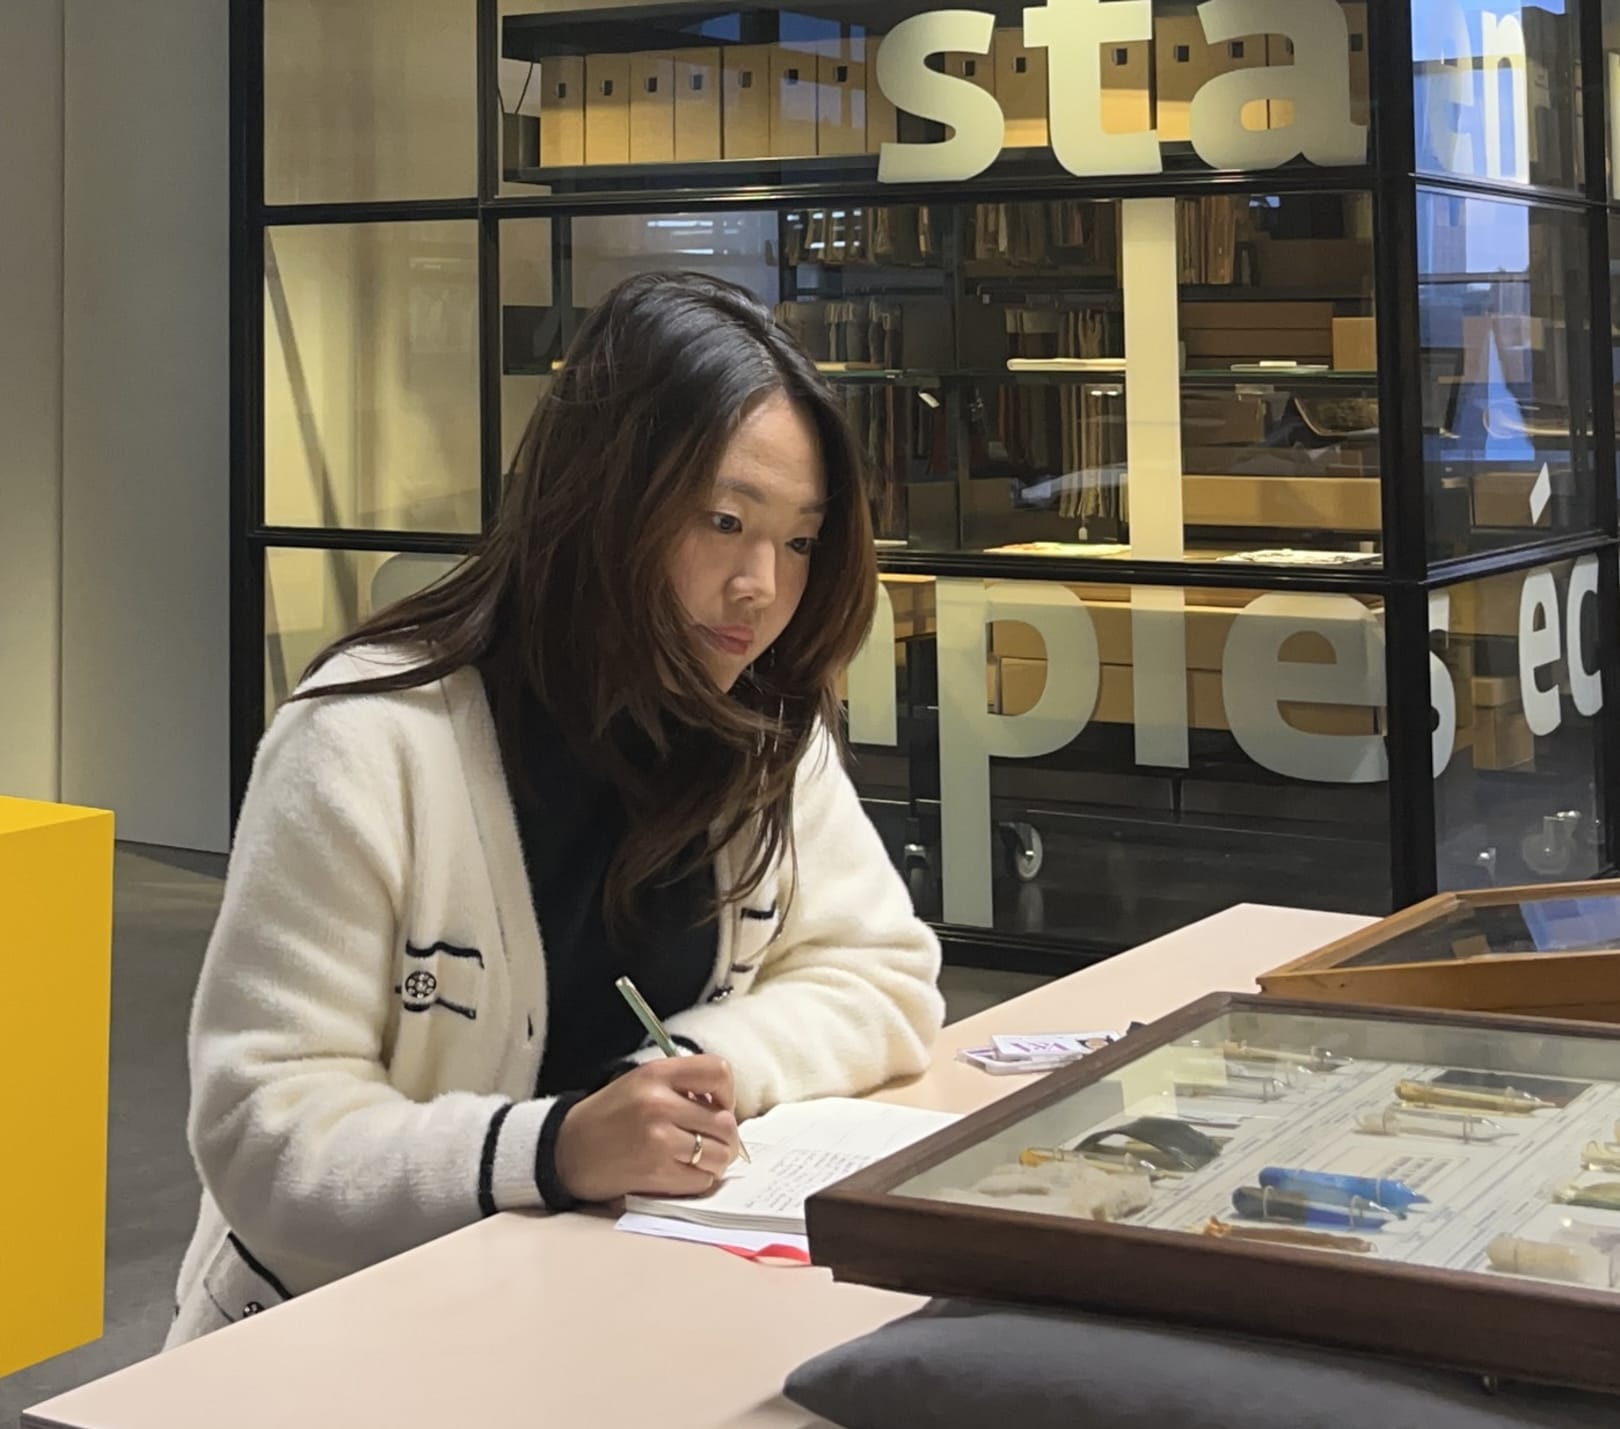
(783, 1178)
(798, 1150)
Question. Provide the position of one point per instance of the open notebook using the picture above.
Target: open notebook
(797, 1150)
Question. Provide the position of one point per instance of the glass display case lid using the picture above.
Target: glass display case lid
(1537, 922)
(1247, 1163)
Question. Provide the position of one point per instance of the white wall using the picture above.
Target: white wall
(145, 430)
(30, 394)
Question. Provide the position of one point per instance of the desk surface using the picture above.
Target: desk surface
(526, 1320)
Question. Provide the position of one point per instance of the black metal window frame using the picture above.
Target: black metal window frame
(1403, 583)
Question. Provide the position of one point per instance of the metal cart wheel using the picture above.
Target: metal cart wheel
(919, 867)
(1025, 851)
(1551, 849)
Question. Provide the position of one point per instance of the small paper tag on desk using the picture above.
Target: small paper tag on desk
(1027, 1055)
(1044, 1046)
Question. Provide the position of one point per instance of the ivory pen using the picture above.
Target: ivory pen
(1319, 1059)
(1238, 1088)
(1504, 1103)
(1119, 1163)
(1416, 1121)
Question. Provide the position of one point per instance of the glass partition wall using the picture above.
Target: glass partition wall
(1242, 463)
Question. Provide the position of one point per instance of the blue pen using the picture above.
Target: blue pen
(1393, 1196)
(1261, 1203)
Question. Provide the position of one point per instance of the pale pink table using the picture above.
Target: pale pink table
(529, 1322)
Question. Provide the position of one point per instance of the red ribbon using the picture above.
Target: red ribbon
(774, 1252)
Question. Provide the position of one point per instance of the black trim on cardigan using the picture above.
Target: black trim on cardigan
(258, 1269)
(448, 949)
(552, 1191)
(486, 1162)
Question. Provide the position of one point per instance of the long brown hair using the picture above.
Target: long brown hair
(568, 600)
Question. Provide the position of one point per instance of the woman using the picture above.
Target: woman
(603, 746)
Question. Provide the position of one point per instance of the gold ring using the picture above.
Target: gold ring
(697, 1149)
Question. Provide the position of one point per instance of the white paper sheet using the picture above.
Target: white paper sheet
(666, 1228)
(798, 1150)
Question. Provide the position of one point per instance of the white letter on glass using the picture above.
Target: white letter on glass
(1504, 46)
(1585, 686)
(1448, 85)
(1317, 84)
(904, 77)
(969, 734)
(1541, 643)
(1442, 693)
(1255, 681)
(1075, 32)
(1159, 675)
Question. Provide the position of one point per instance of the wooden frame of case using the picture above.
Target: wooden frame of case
(1580, 985)
(1507, 1327)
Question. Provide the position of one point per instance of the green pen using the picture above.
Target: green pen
(661, 1038)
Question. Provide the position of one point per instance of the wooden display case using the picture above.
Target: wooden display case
(1218, 1141)
(1548, 951)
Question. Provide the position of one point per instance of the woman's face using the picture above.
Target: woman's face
(740, 569)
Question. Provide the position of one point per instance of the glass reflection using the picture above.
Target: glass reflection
(1517, 793)
(369, 101)
(371, 376)
(1495, 90)
(1505, 372)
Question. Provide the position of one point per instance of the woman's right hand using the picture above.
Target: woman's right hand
(637, 1134)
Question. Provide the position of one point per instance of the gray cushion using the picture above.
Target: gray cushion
(978, 1366)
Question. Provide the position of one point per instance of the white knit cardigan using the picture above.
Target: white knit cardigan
(371, 1016)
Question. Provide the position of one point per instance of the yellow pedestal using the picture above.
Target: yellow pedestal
(55, 974)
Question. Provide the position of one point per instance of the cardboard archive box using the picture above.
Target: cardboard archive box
(841, 83)
(1021, 89)
(652, 109)
(1127, 85)
(793, 87)
(1355, 344)
(746, 102)
(882, 118)
(697, 106)
(607, 109)
(562, 112)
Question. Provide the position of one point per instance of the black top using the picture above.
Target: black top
(571, 822)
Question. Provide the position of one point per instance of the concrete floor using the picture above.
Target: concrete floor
(164, 905)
